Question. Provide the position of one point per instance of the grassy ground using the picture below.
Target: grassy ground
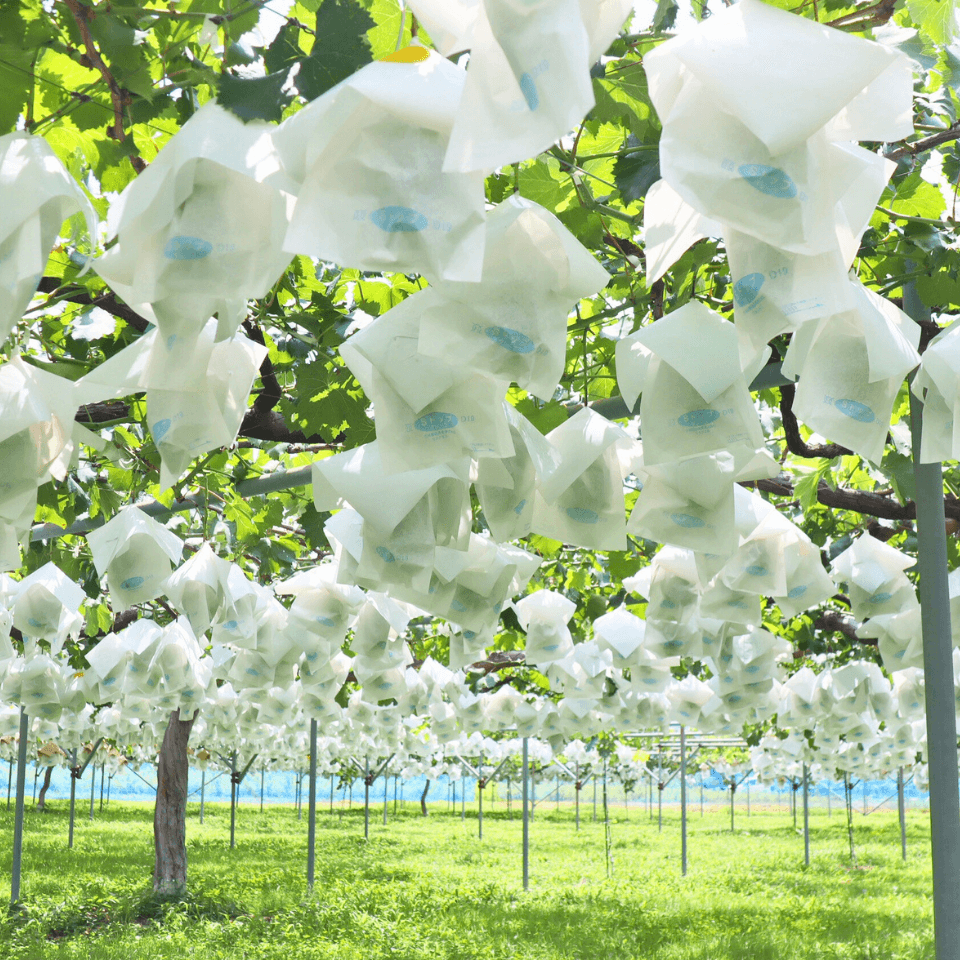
(430, 890)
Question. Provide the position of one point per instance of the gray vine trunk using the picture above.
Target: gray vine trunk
(170, 814)
(42, 799)
(423, 798)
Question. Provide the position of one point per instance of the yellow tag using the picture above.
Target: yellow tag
(411, 54)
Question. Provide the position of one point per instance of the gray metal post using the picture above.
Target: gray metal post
(386, 800)
(93, 784)
(18, 810)
(103, 770)
(233, 801)
(480, 799)
(938, 671)
(463, 798)
(203, 785)
(594, 799)
(577, 792)
(683, 801)
(263, 774)
(312, 812)
(9, 781)
(73, 796)
(331, 793)
(526, 818)
(660, 789)
(366, 800)
(902, 811)
(806, 816)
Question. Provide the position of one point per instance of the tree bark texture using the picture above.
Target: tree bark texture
(423, 798)
(170, 814)
(42, 799)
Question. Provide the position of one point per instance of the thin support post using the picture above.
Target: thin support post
(233, 801)
(902, 811)
(386, 799)
(263, 775)
(578, 785)
(683, 801)
(331, 793)
(74, 773)
(938, 671)
(103, 770)
(18, 810)
(733, 790)
(366, 799)
(312, 810)
(594, 799)
(660, 786)
(396, 780)
(526, 817)
(806, 816)
(93, 785)
(203, 788)
(480, 799)
(9, 780)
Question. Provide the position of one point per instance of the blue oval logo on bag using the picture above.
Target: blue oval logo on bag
(745, 290)
(399, 220)
(160, 429)
(529, 90)
(109, 681)
(669, 604)
(509, 339)
(469, 634)
(797, 592)
(756, 570)
(582, 515)
(386, 555)
(230, 625)
(458, 606)
(328, 621)
(699, 418)
(686, 520)
(768, 180)
(433, 422)
(34, 622)
(131, 583)
(855, 410)
(518, 509)
(880, 597)
(187, 248)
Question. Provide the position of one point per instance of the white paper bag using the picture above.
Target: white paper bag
(47, 606)
(506, 487)
(36, 196)
(581, 501)
(201, 229)
(512, 325)
(862, 90)
(136, 554)
(367, 156)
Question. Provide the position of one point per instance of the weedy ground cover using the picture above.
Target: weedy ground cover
(429, 889)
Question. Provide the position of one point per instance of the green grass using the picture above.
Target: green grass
(430, 890)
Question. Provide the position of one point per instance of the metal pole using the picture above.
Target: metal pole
(9, 781)
(73, 796)
(683, 801)
(203, 784)
(806, 816)
(660, 789)
(263, 774)
(396, 780)
(331, 793)
(386, 785)
(938, 671)
(18, 810)
(748, 798)
(366, 799)
(312, 812)
(594, 799)
(902, 810)
(103, 770)
(733, 790)
(480, 799)
(526, 819)
(233, 801)
(93, 784)
(463, 799)
(577, 794)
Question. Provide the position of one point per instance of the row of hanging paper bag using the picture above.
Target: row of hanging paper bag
(759, 108)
